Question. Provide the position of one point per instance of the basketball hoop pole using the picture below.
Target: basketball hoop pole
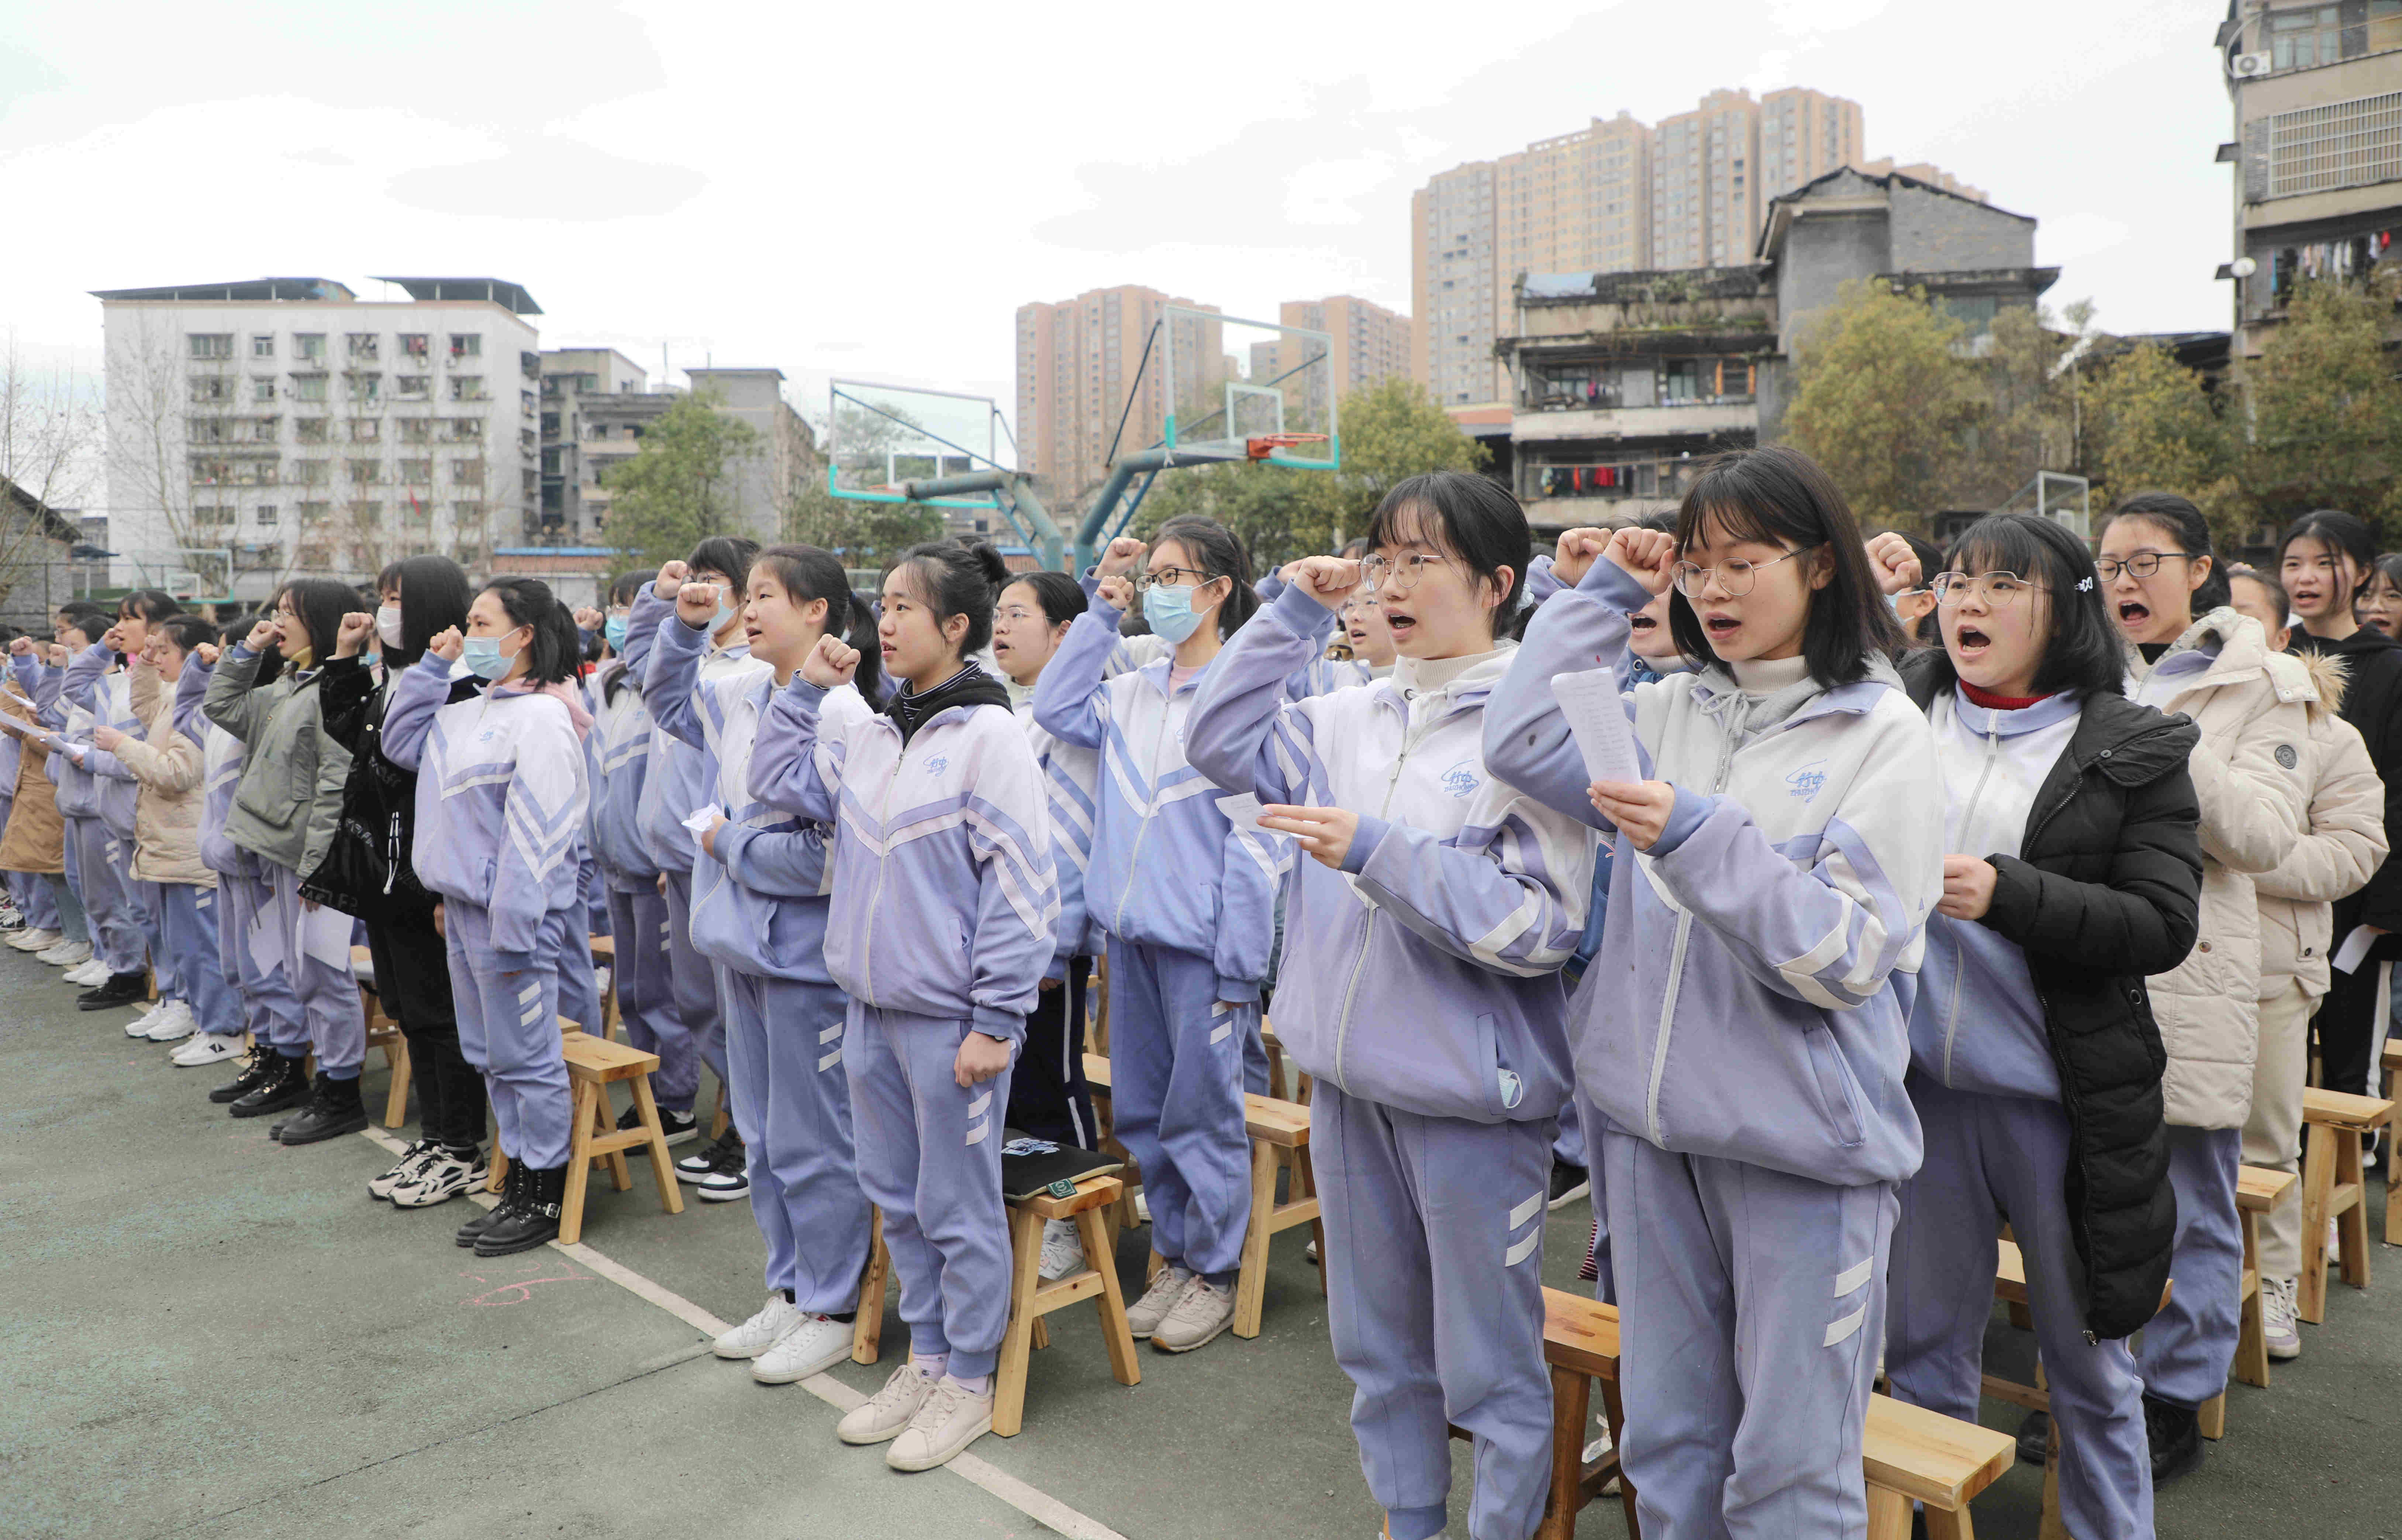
(1013, 493)
(1094, 531)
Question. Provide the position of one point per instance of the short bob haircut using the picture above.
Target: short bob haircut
(1474, 520)
(321, 603)
(553, 652)
(1778, 496)
(2085, 651)
(433, 595)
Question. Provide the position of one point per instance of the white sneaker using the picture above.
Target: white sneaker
(1141, 1206)
(1203, 1312)
(175, 1023)
(35, 940)
(139, 1025)
(66, 954)
(442, 1178)
(812, 1347)
(412, 1160)
(761, 1332)
(1063, 1249)
(2278, 1327)
(92, 973)
(206, 1048)
(1167, 1286)
(885, 1413)
(947, 1421)
(1594, 1450)
(2335, 1241)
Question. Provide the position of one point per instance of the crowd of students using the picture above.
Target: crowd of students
(2009, 884)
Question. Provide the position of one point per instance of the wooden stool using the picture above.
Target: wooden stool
(1279, 1133)
(604, 954)
(1097, 1001)
(1032, 1296)
(2392, 1063)
(593, 1065)
(867, 1324)
(2332, 1187)
(1097, 1081)
(385, 1033)
(2258, 1190)
(1298, 1091)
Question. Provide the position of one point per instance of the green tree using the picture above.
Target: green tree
(1881, 400)
(1391, 430)
(2327, 409)
(681, 489)
(864, 534)
(2149, 426)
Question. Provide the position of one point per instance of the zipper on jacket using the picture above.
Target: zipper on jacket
(1351, 990)
(1159, 741)
(1677, 955)
(1959, 949)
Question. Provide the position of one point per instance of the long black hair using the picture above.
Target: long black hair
(187, 631)
(808, 572)
(433, 598)
(1214, 547)
(1778, 496)
(553, 652)
(2178, 518)
(1471, 518)
(2342, 535)
(321, 603)
(958, 580)
(2085, 651)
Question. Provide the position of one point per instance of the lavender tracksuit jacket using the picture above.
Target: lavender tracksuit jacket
(945, 903)
(674, 784)
(1425, 975)
(1753, 991)
(619, 759)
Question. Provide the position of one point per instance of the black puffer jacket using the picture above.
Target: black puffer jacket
(2105, 890)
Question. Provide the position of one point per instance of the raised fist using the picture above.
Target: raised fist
(448, 646)
(263, 636)
(696, 604)
(1647, 556)
(671, 580)
(832, 662)
(356, 628)
(1575, 555)
(1117, 592)
(1120, 558)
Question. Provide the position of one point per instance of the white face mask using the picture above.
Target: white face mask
(388, 624)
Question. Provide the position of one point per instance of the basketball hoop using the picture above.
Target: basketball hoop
(1266, 445)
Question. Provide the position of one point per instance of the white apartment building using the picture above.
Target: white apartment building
(284, 426)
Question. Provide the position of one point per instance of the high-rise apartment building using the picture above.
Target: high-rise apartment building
(1617, 196)
(1366, 343)
(1078, 360)
(283, 425)
(571, 377)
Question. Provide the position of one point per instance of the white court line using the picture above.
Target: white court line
(1035, 1503)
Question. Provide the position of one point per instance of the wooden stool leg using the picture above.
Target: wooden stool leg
(1100, 1255)
(1251, 1282)
(717, 1124)
(2352, 1226)
(1955, 1525)
(2318, 1191)
(867, 1331)
(2392, 1195)
(603, 1124)
(2210, 1418)
(499, 1162)
(1017, 1343)
(1888, 1515)
(1305, 1172)
(1571, 1405)
(396, 1101)
(662, 1171)
(2251, 1364)
(579, 1164)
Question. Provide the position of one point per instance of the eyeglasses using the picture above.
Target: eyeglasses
(1174, 577)
(1994, 590)
(1734, 576)
(1013, 614)
(2142, 564)
(1404, 571)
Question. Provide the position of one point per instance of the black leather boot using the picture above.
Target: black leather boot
(260, 1070)
(512, 1182)
(288, 1085)
(534, 1220)
(335, 1109)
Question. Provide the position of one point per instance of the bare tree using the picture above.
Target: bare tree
(50, 435)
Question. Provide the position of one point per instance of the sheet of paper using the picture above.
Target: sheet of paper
(1597, 716)
(2356, 947)
(325, 936)
(702, 817)
(1242, 810)
(266, 942)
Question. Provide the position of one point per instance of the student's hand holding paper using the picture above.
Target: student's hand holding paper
(1324, 832)
(1639, 808)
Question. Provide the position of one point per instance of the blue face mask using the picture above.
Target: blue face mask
(615, 629)
(1169, 610)
(482, 656)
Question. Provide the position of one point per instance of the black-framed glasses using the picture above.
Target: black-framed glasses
(1994, 590)
(1404, 571)
(1735, 576)
(1174, 577)
(2142, 564)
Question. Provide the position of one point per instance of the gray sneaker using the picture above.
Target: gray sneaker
(949, 1419)
(1144, 1315)
(1204, 1312)
(889, 1412)
(2278, 1329)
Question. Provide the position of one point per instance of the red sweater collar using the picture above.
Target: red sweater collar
(1993, 702)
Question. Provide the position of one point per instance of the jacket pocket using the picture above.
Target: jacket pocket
(1838, 1102)
(1505, 1088)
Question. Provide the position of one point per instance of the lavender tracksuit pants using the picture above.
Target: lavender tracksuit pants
(929, 1157)
(108, 909)
(791, 1102)
(689, 1024)
(1751, 1303)
(1180, 1066)
(32, 891)
(1434, 1239)
(251, 949)
(1990, 1158)
(190, 968)
(638, 923)
(2189, 1346)
(508, 1028)
(327, 992)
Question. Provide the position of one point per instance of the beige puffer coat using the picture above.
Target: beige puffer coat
(2343, 842)
(2252, 706)
(169, 766)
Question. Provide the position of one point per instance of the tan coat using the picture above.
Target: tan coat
(2343, 842)
(169, 766)
(2252, 706)
(36, 837)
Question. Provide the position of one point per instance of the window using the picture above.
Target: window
(211, 388)
(308, 430)
(466, 430)
(414, 344)
(263, 389)
(211, 515)
(263, 345)
(2341, 144)
(416, 516)
(415, 430)
(308, 387)
(363, 515)
(2384, 25)
(467, 472)
(468, 388)
(416, 473)
(2305, 38)
(210, 346)
(365, 473)
(366, 429)
(410, 387)
(550, 424)
(363, 387)
(264, 429)
(212, 473)
(315, 513)
(366, 347)
(206, 430)
(311, 473)
(467, 515)
(264, 516)
(309, 345)
(467, 345)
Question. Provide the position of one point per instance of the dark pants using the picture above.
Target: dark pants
(2346, 1024)
(412, 970)
(1047, 1095)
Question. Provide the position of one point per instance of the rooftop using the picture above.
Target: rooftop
(248, 290)
(499, 291)
(1785, 206)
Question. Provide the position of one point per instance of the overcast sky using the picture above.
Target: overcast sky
(872, 189)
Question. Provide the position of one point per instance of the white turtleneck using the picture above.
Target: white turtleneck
(1758, 677)
(1423, 676)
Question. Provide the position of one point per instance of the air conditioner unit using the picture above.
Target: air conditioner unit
(2246, 66)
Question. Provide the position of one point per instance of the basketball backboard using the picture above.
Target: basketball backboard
(1230, 382)
(880, 436)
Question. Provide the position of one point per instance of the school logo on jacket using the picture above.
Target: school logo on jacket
(1461, 781)
(939, 764)
(1809, 780)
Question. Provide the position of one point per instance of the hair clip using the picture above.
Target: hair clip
(2085, 585)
